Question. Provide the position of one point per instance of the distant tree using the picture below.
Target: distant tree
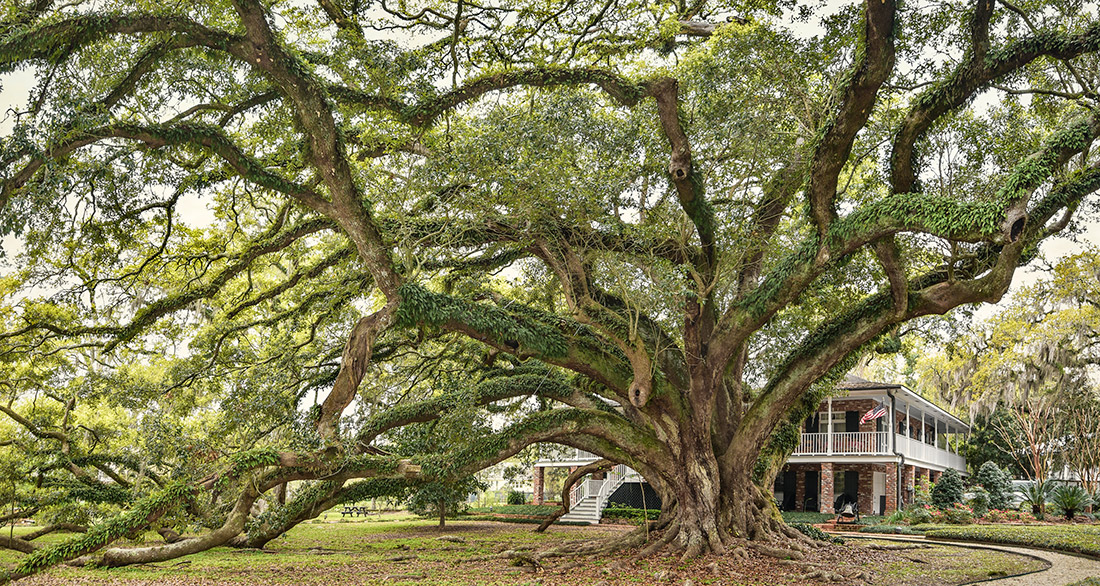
(986, 442)
(442, 500)
(1082, 449)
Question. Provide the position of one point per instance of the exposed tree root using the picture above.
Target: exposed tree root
(70, 527)
(777, 552)
(17, 544)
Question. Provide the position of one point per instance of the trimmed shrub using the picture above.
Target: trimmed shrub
(980, 502)
(949, 490)
(616, 511)
(997, 483)
(918, 514)
(517, 498)
(1071, 499)
(958, 515)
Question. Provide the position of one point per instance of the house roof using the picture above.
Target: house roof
(857, 384)
(852, 382)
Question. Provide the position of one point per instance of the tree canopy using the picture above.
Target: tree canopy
(658, 232)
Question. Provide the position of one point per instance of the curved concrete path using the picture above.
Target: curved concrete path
(1064, 569)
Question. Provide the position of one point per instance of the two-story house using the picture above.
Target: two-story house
(870, 444)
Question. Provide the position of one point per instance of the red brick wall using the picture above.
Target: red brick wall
(907, 484)
(891, 471)
(865, 494)
(537, 483)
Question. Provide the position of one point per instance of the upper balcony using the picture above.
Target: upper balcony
(876, 443)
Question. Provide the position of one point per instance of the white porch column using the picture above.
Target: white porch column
(891, 426)
(829, 431)
(923, 436)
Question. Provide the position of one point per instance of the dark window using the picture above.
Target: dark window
(851, 421)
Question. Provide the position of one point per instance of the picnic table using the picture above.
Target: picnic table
(354, 511)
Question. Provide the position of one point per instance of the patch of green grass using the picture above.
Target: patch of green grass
(541, 510)
(808, 517)
(1087, 582)
(1084, 539)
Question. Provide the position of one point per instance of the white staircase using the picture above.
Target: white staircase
(588, 498)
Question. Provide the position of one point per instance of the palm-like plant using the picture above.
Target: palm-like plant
(1036, 494)
(1071, 499)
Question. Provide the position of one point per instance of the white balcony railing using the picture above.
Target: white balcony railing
(915, 449)
(847, 442)
(876, 442)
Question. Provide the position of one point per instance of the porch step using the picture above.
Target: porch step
(585, 511)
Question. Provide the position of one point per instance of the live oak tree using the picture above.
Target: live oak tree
(705, 217)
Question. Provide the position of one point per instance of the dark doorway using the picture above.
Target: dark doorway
(813, 489)
(846, 487)
(813, 423)
(851, 421)
(790, 485)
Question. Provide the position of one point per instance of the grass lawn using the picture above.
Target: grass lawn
(399, 551)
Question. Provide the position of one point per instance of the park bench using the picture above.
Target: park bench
(354, 511)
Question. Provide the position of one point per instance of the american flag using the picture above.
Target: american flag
(873, 414)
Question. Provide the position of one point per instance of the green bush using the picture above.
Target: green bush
(517, 498)
(958, 515)
(815, 533)
(997, 483)
(949, 490)
(617, 511)
(1071, 499)
(1083, 539)
(524, 520)
(918, 514)
(980, 501)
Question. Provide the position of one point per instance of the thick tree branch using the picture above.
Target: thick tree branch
(967, 80)
(425, 113)
(874, 65)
